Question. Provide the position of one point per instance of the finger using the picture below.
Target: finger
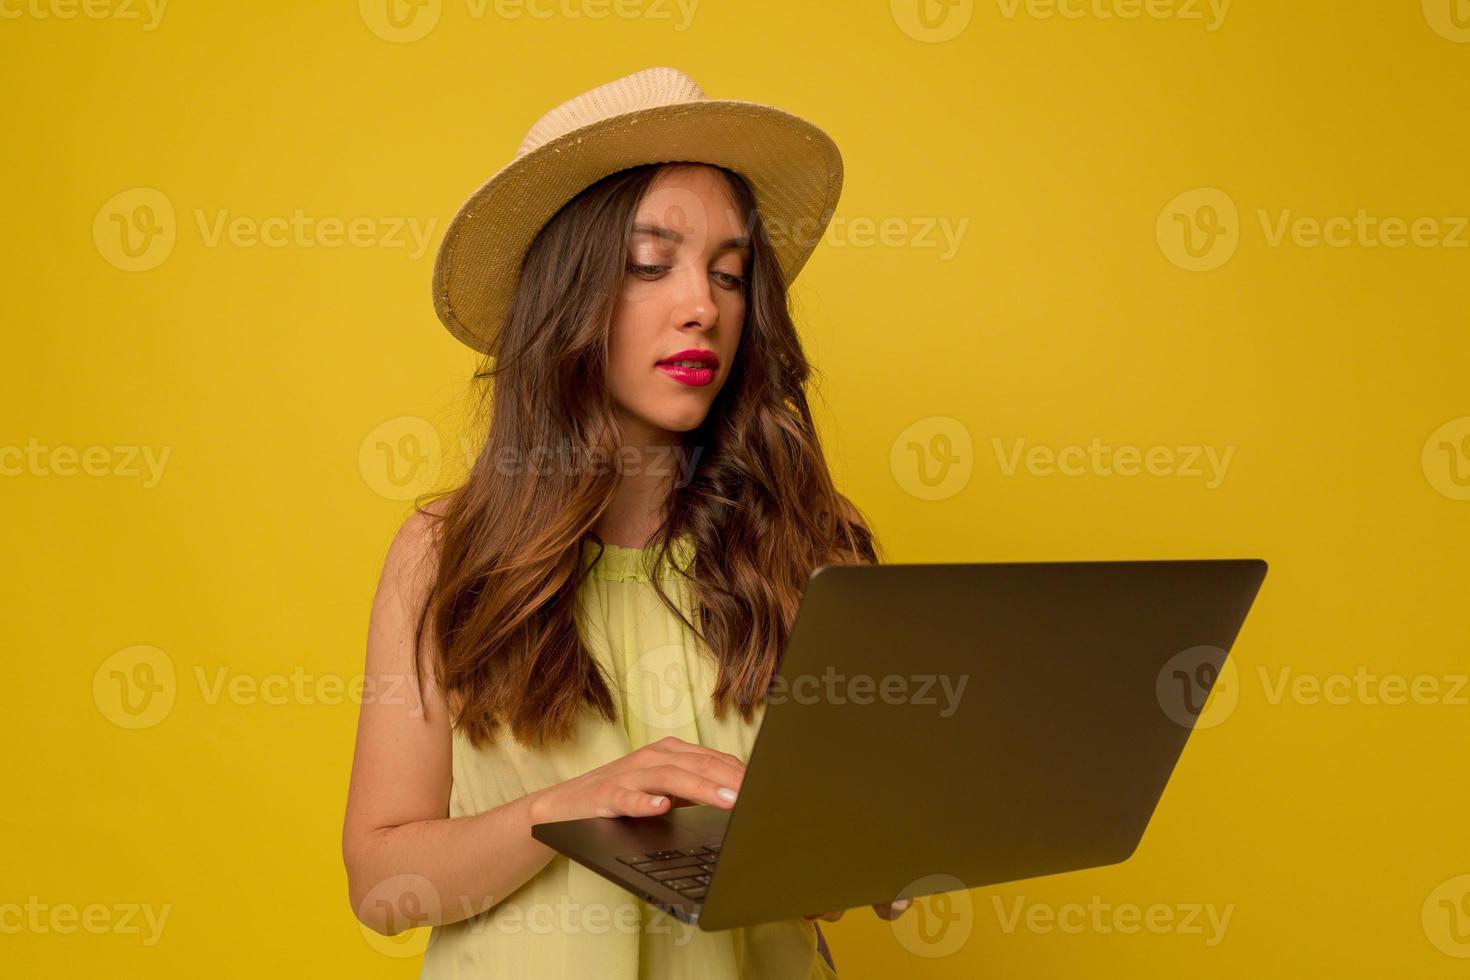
(674, 779)
(723, 768)
(625, 801)
(709, 767)
(672, 743)
(889, 911)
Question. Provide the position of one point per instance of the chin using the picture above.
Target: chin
(683, 423)
(675, 418)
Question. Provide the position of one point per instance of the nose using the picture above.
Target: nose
(696, 306)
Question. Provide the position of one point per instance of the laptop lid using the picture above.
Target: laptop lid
(937, 726)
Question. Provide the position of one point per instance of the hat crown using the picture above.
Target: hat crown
(640, 90)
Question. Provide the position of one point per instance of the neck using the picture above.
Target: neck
(648, 466)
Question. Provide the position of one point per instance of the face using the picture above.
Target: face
(688, 259)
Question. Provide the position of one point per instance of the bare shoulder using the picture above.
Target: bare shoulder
(396, 646)
(415, 546)
(411, 565)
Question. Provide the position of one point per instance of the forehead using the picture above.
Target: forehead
(689, 201)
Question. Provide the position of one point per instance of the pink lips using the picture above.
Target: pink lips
(698, 377)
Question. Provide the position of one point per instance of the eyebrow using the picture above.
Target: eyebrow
(658, 231)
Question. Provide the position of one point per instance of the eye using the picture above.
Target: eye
(732, 281)
(727, 280)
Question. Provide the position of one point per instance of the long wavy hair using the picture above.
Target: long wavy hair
(759, 501)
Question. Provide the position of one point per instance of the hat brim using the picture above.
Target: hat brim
(793, 167)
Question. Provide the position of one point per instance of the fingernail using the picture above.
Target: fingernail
(900, 904)
(657, 801)
(725, 793)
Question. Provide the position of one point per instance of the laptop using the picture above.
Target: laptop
(938, 727)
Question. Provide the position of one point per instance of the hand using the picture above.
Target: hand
(654, 779)
(887, 911)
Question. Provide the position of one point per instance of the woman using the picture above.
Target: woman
(588, 625)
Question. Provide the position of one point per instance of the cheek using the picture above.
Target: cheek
(621, 374)
(629, 356)
(735, 318)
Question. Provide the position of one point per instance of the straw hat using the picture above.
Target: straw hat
(656, 115)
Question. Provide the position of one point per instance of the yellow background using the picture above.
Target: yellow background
(285, 381)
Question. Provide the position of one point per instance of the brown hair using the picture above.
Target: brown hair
(759, 502)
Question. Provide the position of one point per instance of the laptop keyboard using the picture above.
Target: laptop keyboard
(686, 871)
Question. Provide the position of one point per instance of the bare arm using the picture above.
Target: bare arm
(408, 863)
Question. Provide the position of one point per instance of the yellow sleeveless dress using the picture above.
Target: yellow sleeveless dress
(566, 921)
